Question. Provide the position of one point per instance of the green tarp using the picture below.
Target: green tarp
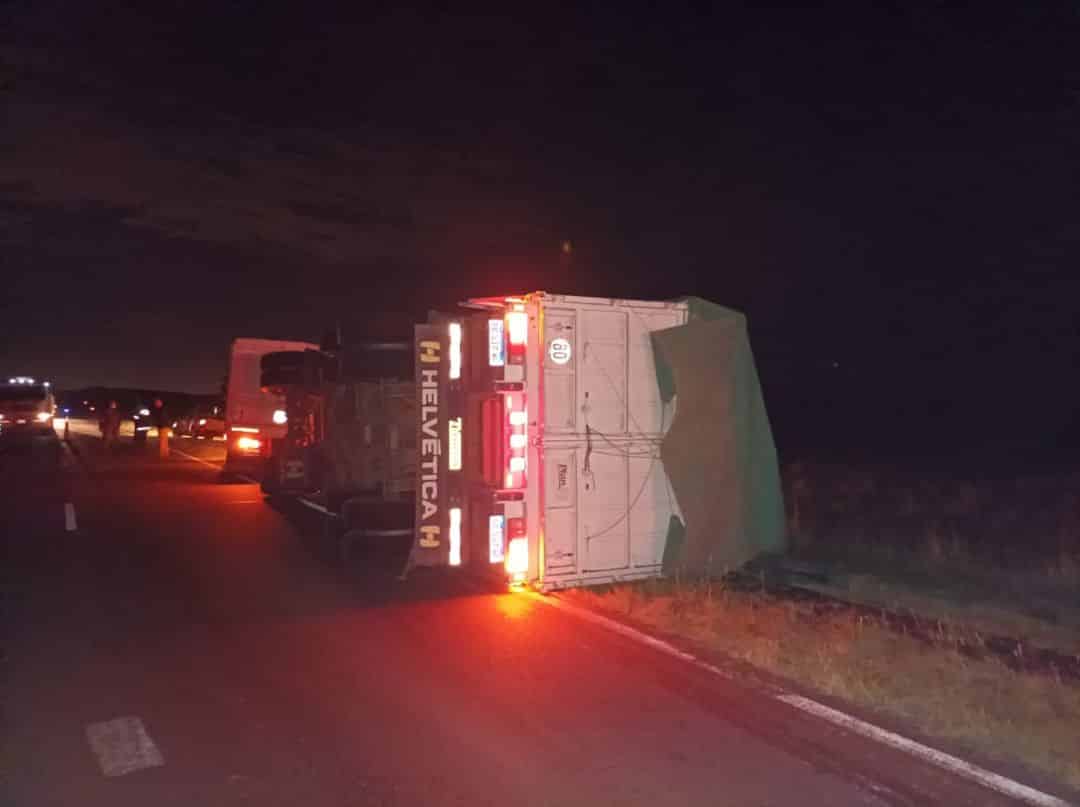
(719, 454)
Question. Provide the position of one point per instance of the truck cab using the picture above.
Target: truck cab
(26, 406)
(254, 417)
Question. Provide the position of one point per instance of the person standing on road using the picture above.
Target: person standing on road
(110, 424)
(161, 420)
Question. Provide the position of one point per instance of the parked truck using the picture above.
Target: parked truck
(570, 440)
(254, 417)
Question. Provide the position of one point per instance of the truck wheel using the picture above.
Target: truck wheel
(333, 540)
(345, 544)
(269, 483)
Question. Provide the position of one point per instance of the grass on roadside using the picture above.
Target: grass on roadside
(981, 703)
(1048, 624)
(1018, 536)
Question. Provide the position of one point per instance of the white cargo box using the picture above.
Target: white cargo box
(605, 502)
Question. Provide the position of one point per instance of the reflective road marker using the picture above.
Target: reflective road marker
(69, 517)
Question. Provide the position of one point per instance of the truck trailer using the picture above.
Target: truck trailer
(565, 441)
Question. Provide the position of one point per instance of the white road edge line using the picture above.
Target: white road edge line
(987, 779)
(69, 517)
(247, 478)
(939, 759)
(314, 506)
(195, 459)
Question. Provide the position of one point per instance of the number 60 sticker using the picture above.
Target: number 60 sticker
(559, 350)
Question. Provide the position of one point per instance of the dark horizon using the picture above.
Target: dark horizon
(888, 194)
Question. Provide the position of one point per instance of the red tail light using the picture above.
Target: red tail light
(517, 335)
(493, 428)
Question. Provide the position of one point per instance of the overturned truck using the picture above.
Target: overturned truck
(567, 441)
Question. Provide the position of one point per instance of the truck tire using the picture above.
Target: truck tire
(345, 545)
(269, 482)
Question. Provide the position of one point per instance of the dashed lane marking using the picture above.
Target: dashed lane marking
(247, 479)
(69, 517)
(193, 458)
(123, 746)
(216, 465)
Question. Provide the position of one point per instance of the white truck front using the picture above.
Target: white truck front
(539, 423)
(253, 417)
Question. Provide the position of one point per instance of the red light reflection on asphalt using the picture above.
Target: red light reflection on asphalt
(514, 606)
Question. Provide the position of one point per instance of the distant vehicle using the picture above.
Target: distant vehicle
(184, 425)
(142, 423)
(26, 405)
(145, 416)
(253, 417)
(208, 422)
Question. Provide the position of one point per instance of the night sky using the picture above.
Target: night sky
(892, 195)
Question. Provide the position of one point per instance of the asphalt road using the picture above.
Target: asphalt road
(263, 674)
